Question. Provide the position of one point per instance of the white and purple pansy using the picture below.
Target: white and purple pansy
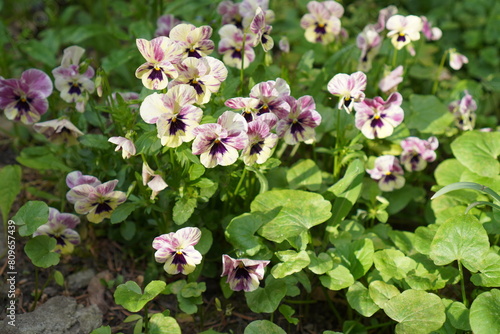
(59, 131)
(25, 99)
(388, 172)
(369, 42)
(243, 274)
(350, 89)
(161, 53)
(464, 112)
(176, 250)
(173, 113)
(236, 47)
(193, 41)
(403, 29)
(322, 23)
(248, 106)
(260, 142)
(457, 60)
(391, 81)
(165, 23)
(298, 125)
(377, 118)
(418, 152)
(61, 227)
(271, 97)
(126, 145)
(156, 184)
(77, 178)
(262, 31)
(218, 143)
(205, 75)
(74, 86)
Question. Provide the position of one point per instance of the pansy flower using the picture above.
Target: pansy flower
(377, 118)
(262, 31)
(457, 60)
(176, 250)
(260, 142)
(388, 172)
(464, 112)
(284, 44)
(271, 97)
(243, 274)
(173, 113)
(322, 23)
(193, 41)
(124, 144)
(369, 42)
(431, 33)
(391, 80)
(156, 184)
(350, 89)
(230, 13)
(161, 53)
(77, 178)
(59, 131)
(235, 46)
(418, 152)
(218, 143)
(298, 125)
(383, 16)
(403, 29)
(248, 106)
(74, 86)
(164, 24)
(248, 9)
(25, 99)
(61, 226)
(97, 202)
(205, 75)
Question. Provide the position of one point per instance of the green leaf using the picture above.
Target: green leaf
(428, 276)
(206, 240)
(304, 173)
(10, 183)
(484, 312)
(457, 314)
(357, 256)
(466, 185)
(489, 275)
(128, 230)
(241, 232)
(290, 213)
(40, 251)
(292, 262)
(31, 216)
(288, 312)
(38, 51)
(148, 143)
(267, 299)
(449, 171)
(193, 289)
(392, 263)
(45, 162)
(122, 212)
(196, 171)
(320, 264)
(338, 278)
(160, 324)
(263, 326)
(416, 312)
(102, 330)
(183, 209)
(130, 296)
(460, 238)
(95, 141)
(360, 300)
(59, 278)
(428, 114)
(478, 151)
(423, 238)
(381, 292)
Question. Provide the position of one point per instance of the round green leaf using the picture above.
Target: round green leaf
(338, 278)
(392, 263)
(457, 314)
(267, 299)
(193, 289)
(460, 238)
(290, 213)
(381, 292)
(357, 256)
(40, 251)
(263, 326)
(160, 324)
(485, 311)
(241, 232)
(360, 300)
(490, 273)
(31, 216)
(478, 151)
(320, 264)
(416, 312)
(448, 172)
(292, 262)
(305, 173)
(130, 296)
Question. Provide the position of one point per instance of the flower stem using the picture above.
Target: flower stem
(438, 73)
(242, 68)
(394, 58)
(240, 182)
(337, 157)
(462, 284)
(146, 319)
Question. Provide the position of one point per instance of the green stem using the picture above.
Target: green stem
(394, 58)
(146, 319)
(338, 155)
(330, 305)
(242, 68)
(240, 182)
(289, 301)
(438, 73)
(462, 283)
(36, 289)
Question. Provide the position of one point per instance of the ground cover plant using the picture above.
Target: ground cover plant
(255, 166)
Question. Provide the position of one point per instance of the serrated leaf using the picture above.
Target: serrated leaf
(241, 232)
(338, 278)
(95, 141)
(320, 264)
(304, 173)
(484, 312)
(381, 292)
(193, 289)
(288, 312)
(489, 275)
(392, 263)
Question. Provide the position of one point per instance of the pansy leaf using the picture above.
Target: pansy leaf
(357, 256)
(160, 324)
(290, 213)
(449, 171)
(360, 300)
(392, 263)
(460, 238)
(321, 263)
(263, 326)
(457, 314)
(241, 232)
(416, 311)
(478, 151)
(130, 296)
(40, 251)
(268, 298)
(292, 262)
(428, 114)
(10, 183)
(338, 278)
(31, 216)
(193, 289)
(122, 212)
(381, 292)
(484, 312)
(489, 275)
(183, 209)
(288, 312)
(304, 173)
(95, 141)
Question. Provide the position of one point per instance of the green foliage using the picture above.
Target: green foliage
(40, 251)
(10, 183)
(31, 216)
(484, 312)
(263, 326)
(130, 296)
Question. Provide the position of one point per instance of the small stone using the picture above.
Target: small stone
(80, 279)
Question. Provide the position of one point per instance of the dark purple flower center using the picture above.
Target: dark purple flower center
(236, 53)
(197, 85)
(179, 258)
(193, 52)
(377, 121)
(176, 124)
(102, 207)
(256, 148)
(347, 102)
(156, 73)
(296, 127)
(389, 177)
(401, 37)
(23, 103)
(59, 239)
(248, 116)
(217, 148)
(75, 88)
(320, 28)
(241, 273)
(263, 108)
